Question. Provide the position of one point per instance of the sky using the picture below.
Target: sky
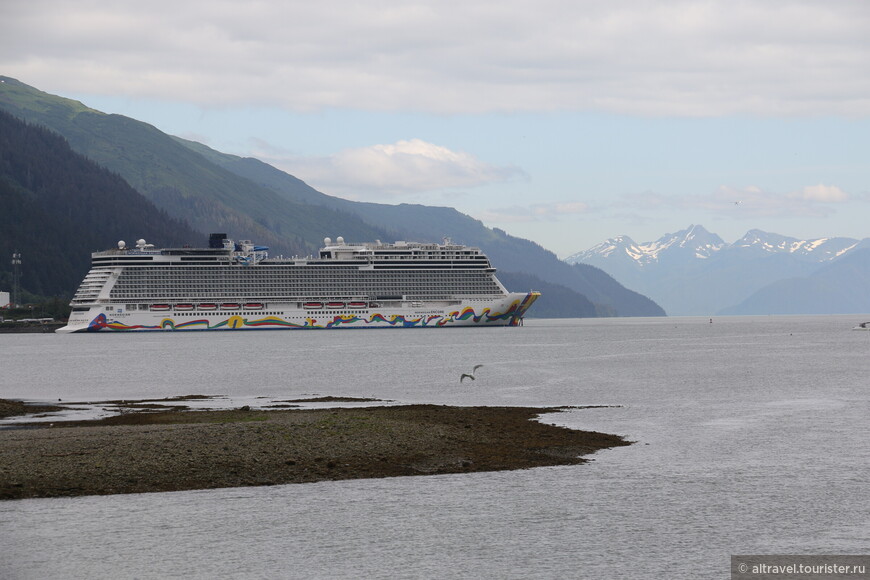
(566, 122)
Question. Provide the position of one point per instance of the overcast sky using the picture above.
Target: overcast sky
(565, 122)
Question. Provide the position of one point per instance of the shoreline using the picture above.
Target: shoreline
(27, 328)
(178, 450)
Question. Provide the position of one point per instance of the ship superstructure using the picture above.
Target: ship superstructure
(236, 285)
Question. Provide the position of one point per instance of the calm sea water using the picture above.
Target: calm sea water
(751, 437)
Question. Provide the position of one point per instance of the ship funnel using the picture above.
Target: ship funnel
(216, 240)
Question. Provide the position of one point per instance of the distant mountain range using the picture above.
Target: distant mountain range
(162, 188)
(694, 272)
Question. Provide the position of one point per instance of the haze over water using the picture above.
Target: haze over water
(750, 438)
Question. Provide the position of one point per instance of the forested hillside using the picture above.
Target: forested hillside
(58, 207)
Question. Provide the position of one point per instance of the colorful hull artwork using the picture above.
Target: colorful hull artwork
(235, 285)
(512, 316)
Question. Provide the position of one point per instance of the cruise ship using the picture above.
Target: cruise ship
(237, 286)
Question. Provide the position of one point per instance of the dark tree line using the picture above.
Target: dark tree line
(56, 207)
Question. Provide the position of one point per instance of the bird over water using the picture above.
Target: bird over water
(464, 376)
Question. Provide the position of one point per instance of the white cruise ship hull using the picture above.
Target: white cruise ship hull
(236, 286)
(504, 311)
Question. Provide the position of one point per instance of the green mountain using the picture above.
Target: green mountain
(178, 179)
(249, 199)
(58, 207)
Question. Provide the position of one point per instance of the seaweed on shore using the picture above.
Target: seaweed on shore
(9, 408)
(172, 451)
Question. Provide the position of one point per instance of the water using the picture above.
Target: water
(751, 437)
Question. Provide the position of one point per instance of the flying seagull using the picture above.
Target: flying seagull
(464, 376)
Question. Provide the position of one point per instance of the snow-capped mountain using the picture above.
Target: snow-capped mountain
(695, 242)
(819, 250)
(694, 271)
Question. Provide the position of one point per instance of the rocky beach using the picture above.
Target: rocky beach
(174, 450)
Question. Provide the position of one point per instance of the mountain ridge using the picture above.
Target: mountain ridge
(249, 199)
(694, 272)
(58, 206)
(838, 287)
(429, 222)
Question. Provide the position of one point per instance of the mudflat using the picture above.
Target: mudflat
(184, 450)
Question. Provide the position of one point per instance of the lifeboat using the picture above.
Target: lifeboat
(184, 306)
(357, 304)
(160, 307)
(207, 306)
(335, 304)
(312, 305)
(230, 306)
(254, 306)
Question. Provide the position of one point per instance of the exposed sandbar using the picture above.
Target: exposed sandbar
(177, 450)
(14, 408)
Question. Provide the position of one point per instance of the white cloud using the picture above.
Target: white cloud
(405, 167)
(745, 202)
(534, 212)
(749, 202)
(570, 207)
(822, 193)
(675, 58)
(507, 215)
